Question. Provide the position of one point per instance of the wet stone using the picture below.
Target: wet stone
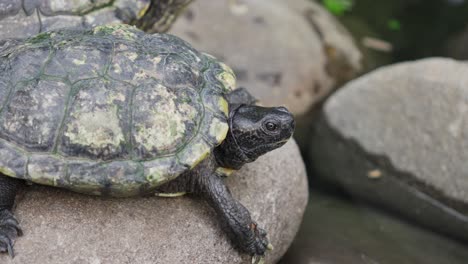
(33, 114)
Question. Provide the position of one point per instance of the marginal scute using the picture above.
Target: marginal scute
(161, 170)
(227, 77)
(194, 153)
(218, 129)
(215, 101)
(47, 170)
(12, 161)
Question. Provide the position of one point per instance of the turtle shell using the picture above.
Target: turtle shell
(25, 18)
(108, 111)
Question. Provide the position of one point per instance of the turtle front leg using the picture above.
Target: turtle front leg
(9, 227)
(243, 230)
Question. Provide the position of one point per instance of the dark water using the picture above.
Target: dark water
(415, 28)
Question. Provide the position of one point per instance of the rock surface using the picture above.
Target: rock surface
(286, 53)
(63, 227)
(335, 230)
(398, 137)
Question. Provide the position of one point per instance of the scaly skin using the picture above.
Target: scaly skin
(9, 228)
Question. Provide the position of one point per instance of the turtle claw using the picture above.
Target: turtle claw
(9, 231)
(258, 259)
(258, 243)
(6, 245)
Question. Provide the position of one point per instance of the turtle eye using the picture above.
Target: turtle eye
(270, 126)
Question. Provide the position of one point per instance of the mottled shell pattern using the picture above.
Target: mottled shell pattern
(24, 18)
(108, 111)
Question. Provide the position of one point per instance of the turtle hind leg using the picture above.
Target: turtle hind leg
(9, 227)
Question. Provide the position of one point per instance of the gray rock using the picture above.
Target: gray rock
(64, 227)
(282, 55)
(335, 230)
(398, 137)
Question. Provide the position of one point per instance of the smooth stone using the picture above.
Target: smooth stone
(64, 227)
(337, 230)
(283, 56)
(398, 137)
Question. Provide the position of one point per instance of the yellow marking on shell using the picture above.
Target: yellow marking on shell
(227, 77)
(96, 129)
(79, 62)
(7, 171)
(223, 106)
(156, 60)
(195, 153)
(165, 123)
(218, 130)
(224, 171)
(155, 176)
(170, 195)
(131, 55)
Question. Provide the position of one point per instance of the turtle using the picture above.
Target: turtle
(25, 18)
(114, 111)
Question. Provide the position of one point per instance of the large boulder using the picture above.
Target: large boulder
(289, 53)
(335, 230)
(64, 227)
(398, 137)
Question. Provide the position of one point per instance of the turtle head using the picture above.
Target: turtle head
(254, 131)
